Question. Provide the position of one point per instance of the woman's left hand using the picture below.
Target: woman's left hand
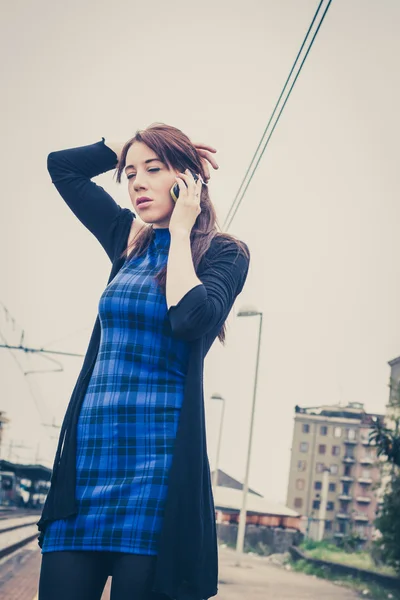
(187, 207)
(205, 150)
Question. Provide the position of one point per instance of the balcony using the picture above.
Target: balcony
(362, 535)
(365, 480)
(345, 497)
(339, 534)
(361, 517)
(342, 516)
(366, 442)
(367, 460)
(349, 460)
(363, 499)
(350, 442)
(347, 479)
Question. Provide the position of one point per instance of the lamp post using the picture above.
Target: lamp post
(215, 476)
(248, 312)
(323, 504)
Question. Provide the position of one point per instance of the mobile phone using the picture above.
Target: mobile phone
(174, 191)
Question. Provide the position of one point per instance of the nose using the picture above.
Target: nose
(140, 182)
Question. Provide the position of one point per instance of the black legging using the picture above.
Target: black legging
(82, 575)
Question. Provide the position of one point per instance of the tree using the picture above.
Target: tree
(388, 523)
(387, 440)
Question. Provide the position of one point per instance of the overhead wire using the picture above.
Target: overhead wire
(239, 196)
(42, 352)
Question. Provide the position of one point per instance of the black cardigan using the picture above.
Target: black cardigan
(187, 563)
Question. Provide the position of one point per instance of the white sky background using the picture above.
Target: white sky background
(321, 216)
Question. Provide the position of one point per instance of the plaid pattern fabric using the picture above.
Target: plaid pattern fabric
(129, 417)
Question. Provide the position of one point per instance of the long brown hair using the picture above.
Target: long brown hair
(176, 150)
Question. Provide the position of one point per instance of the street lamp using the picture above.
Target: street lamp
(323, 504)
(215, 476)
(248, 311)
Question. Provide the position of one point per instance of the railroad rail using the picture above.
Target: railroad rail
(11, 539)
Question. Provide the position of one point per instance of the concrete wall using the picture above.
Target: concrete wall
(278, 540)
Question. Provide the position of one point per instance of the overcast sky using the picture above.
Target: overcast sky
(321, 216)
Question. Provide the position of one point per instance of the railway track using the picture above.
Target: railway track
(16, 514)
(16, 531)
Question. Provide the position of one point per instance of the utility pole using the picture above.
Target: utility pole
(11, 448)
(37, 453)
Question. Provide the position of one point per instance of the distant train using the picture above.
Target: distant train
(22, 492)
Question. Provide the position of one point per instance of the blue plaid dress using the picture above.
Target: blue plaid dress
(129, 417)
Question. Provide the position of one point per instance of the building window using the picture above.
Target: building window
(298, 502)
(334, 469)
(342, 527)
(365, 435)
(347, 470)
(351, 434)
(316, 504)
(318, 485)
(323, 430)
(305, 428)
(322, 449)
(335, 450)
(301, 465)
(332, 487)
(350, 452)
(337, 432)
(303, 446)
(299, 484)
(360, 529)
(330, 506)
(328, 525)
(319, 467)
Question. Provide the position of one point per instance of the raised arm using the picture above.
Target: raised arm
(71, 171)
(207, 304)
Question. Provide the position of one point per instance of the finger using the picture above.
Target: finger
(204, 146)
(190, 180)
(184, 184)
(197, 192)
(184, 177)
(180, 182)
(209, 158)
(199, 187)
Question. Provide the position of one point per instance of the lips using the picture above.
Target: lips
(143, 200)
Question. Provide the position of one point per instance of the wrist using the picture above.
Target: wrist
(116, 147)
(180, 233)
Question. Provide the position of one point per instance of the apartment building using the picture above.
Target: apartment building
(394, 395)
(334, 439)
(392, 413)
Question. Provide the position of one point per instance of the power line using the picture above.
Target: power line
(42, 353)
(239, 196)
(67, 336)
(27, 380)
(277, 104)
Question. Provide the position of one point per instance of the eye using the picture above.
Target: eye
(133, 174)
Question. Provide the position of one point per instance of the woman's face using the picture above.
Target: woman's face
(149, 177)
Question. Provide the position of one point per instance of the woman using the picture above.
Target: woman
(130, 494)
